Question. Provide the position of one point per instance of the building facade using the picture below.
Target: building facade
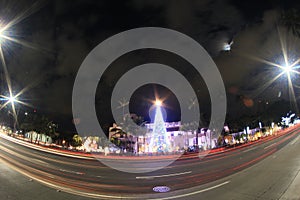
(179, 140)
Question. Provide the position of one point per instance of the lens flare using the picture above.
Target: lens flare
(287, 69)
(158, 102)
(6, 34)
(287, 64)
(11, 99)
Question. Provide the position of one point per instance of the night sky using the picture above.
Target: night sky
(58, 35)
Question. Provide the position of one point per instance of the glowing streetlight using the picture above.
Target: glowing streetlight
(1, 33)
(12, 99)
(287, 69)
(288, 64)
(7, 35)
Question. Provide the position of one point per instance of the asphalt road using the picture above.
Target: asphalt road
(238, 173)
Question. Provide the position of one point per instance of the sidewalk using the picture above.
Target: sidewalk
(293, 191)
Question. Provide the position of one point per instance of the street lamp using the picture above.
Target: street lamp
(12, 99)
(6, 35)
(2, 30)
(287, 69)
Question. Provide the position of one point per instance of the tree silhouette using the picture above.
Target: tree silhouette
(290, 18)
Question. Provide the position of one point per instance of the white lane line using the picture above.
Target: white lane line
(249, 149)
(73, 172)
(160, 176)
(196, 192)
(295, 140)
(270, 146)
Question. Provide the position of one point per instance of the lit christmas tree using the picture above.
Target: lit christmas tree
(159, 140)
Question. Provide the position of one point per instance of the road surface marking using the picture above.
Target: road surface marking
(295, 140)
(249, 149)
(196, 192)
(270, 146)
(160, 176)
(93, 195)
(73, 172)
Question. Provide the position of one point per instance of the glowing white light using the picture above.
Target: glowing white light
(12, 99)
(227, 46)
(158, 102)
(287, 69)
(260, 125)
(159, 141)
(1, 34)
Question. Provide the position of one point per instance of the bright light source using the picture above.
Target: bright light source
(158, 102)
(12, 99)
(287, 69)
(227, 46)
(1, 34)
(260, 125)
(159, 141)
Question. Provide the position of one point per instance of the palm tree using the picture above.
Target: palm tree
(291, 20)
(76, 140)
(39, 124)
